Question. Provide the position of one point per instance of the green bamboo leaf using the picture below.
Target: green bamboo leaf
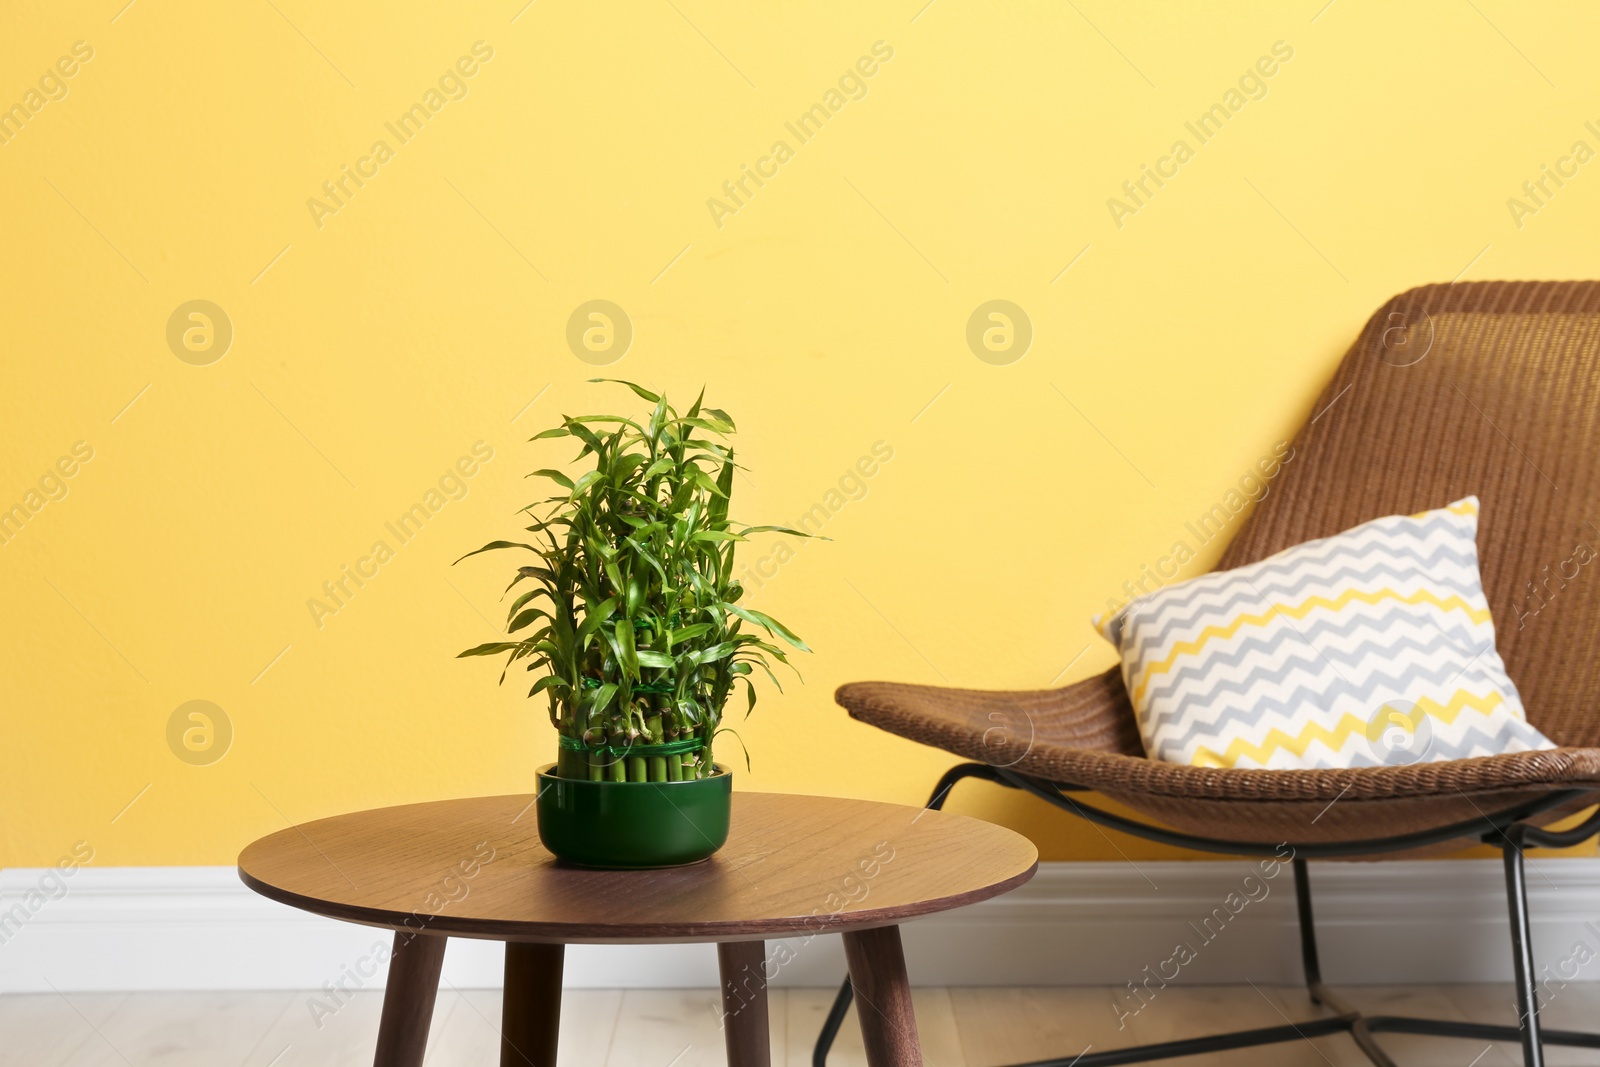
(772, 650)
(648, 556)
(493, 648)
(602, 697)
(584, 434)
(640, 390)
(783, 530)
(583, 483)
(712, 425)
(625, 466)
(774, 678)
(558, 431)
(621, 421)
(703, 480)
(768, 623)
(547, 682)
(565, 632)
(596, 616)
(730, 730)
(719, 506)
(517, 604)
(625, 650)
(647, 658)
(524, 649)
(525, 618)
(699, 451)
(715, 652)
(554, 475)
(493, 545)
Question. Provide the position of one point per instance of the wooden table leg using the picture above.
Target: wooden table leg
(530, 1016)
(883, 997)
(408, 999)
(744, 1002)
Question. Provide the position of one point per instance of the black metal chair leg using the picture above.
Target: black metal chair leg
(1308, 931)
(1320, 994)
(936, 799)
(1522, 951)
(947, 781)
(830, 1025)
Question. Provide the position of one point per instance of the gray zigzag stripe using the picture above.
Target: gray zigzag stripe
(1316, 637)
(1243, 720)
(1226, 610)
(1380, 635)
(1324, 694)
(1318, 690)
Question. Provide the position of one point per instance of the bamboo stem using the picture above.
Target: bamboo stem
(655, 766)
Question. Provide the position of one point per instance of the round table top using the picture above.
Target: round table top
(793, 865)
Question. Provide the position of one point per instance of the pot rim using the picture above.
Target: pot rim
(721, 771)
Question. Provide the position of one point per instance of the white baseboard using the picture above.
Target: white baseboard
(171, 928)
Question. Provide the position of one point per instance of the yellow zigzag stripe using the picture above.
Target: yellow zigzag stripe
(1335, 738)
(1460, 507)
(1300, 611)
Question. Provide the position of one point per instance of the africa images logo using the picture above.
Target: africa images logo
(1399, 733)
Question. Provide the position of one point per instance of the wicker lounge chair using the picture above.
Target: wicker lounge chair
(1487, 388)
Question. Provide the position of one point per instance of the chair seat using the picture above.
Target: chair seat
(1085, 735)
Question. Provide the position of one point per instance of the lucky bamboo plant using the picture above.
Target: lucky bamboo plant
(633, 622)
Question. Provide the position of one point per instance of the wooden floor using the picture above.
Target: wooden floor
(679, 1028)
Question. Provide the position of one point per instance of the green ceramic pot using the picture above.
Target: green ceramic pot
(634, 824)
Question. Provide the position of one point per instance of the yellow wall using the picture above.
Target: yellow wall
(374, 345)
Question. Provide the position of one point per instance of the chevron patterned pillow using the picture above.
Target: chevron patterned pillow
(1372, 647)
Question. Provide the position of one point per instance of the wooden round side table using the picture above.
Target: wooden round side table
(793, 867)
